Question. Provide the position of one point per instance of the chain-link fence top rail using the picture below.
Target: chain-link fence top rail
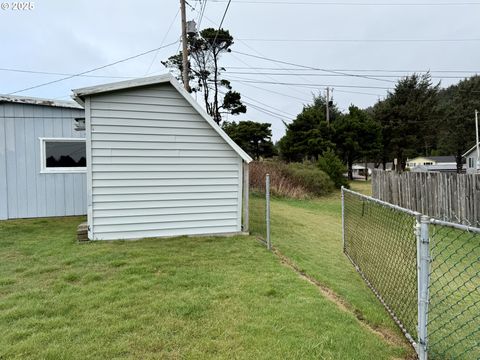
(380, 241)
(454, 309)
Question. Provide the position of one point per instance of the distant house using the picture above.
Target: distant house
(471, 157)
(432, 164)
(42, 158)
(158, 165)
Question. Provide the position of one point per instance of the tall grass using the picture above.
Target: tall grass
(294, 180)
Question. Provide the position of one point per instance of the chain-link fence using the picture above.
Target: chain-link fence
(259, 211)
(380, 241)
(426, 272)
(454, 310)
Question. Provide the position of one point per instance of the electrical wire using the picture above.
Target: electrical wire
(331, 3)
(163, 41)
(92, 70)
(311, 67)
(358, 70)
(362, 40)
(62, 74)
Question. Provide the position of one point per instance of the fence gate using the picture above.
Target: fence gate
(426, 273)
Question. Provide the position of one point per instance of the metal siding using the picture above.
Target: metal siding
(30, 193)
(158, 168)
(3, 168)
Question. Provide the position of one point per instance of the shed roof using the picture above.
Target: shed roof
(38, 101)
(80, 94)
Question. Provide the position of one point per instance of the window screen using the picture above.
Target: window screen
(65, 154)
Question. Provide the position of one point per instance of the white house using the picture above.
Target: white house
(158, 165)
(471, 157)
(42, 158)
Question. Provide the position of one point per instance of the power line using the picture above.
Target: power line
(361, 40)
(310, 67)
(61, 74)
(92, 70)
(311, 85)
(358, 70)
(332, 75)
(276, 92)
(163, 41)
(331, 3)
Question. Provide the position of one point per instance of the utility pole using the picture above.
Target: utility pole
(328, 106)
(185, 71)
(477, 167)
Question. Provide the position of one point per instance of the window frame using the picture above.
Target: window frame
(58, 170)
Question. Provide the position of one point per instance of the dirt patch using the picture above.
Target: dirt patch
(386, 334)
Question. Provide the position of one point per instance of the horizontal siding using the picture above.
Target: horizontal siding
(178, 145)
(142, 123)
(127, 154)
(197, 229)
(166, 168)
(136, 130)
(173, 138)
(169, 189)
(161, 204)
(170, 225)
(124, 198)
(179, 115)
(148, 183)
(158, 168)
(158, 175)
(166, 218)
(139, 214)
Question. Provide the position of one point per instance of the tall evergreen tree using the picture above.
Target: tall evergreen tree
(206, 75)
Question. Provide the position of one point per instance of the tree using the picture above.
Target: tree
(334, 167)
(407, 117)
(309, 135)
(457, 106)
(253, 137)
(205, 50)
(357, 136)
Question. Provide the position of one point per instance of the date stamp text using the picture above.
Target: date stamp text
(17, 5)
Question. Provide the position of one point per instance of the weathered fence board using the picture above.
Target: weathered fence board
(447, 196)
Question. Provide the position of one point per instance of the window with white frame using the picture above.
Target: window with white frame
(63, 155)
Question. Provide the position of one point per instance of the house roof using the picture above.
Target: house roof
(438, 159)
(80, 94)
(38, 101)
(470, 151)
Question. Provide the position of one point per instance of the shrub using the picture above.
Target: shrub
(334, 167)
(295, 180)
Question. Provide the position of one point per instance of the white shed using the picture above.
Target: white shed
(158, 165)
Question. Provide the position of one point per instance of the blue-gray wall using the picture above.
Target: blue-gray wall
(24, 191)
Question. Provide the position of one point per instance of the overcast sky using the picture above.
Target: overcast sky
(74, 36)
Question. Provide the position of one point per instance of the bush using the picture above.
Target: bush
(295, 180)
(334, 167)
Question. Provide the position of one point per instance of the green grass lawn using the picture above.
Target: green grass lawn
(309, 233)
(183, 298)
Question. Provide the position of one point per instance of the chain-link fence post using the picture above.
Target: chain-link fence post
(423, 271)
(267, 215)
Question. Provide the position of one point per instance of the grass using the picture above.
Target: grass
(185, 298)
(309, 233)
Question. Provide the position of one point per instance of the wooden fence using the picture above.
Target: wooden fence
(446, 196)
